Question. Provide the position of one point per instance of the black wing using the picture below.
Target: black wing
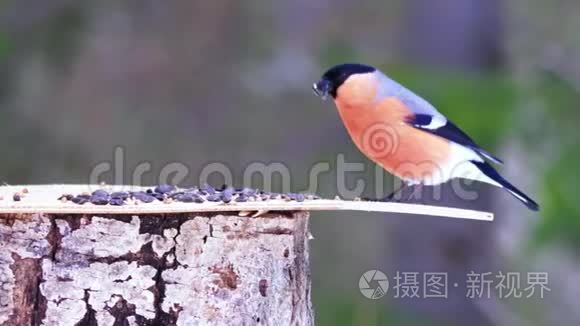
(450, 132)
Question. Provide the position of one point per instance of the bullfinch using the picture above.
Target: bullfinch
(405, 134)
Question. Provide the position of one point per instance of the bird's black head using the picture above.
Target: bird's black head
(335, 76)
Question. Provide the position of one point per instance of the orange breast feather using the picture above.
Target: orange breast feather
(378, 129)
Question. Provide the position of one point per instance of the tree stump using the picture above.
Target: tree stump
(212, 268)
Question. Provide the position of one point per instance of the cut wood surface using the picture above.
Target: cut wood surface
(44, 199)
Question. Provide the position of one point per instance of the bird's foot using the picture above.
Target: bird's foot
(388, 199)
(392, 199)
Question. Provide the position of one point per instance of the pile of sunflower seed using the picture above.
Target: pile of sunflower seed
(169, 194)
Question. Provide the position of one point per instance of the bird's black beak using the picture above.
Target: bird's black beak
(321, 88)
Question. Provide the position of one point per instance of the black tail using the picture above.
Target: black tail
(489, 171)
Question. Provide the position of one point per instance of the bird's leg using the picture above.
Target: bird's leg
(397, 191)
(417, 192)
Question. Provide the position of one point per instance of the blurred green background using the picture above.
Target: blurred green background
(229, 81)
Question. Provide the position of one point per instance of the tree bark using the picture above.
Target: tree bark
(169, 269)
